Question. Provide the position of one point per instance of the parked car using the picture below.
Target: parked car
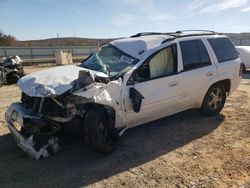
(244, 53)
(11, 69)
(127, 83)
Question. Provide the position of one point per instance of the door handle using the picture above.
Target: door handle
(210, 74)
(172, 84)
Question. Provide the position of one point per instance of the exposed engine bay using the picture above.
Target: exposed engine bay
(42, 118)
(90, 93)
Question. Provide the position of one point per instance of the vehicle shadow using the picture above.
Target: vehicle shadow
(77, 166)
(246, 75)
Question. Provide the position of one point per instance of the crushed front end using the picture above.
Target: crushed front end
(35, 125)
(36, 122)
(90, 92)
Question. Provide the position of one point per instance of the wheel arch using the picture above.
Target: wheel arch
(225, 91)
(94, 135)
(226, 83)
(108, 109)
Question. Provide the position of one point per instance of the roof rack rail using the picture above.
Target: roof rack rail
(181, 34)
(145, 34)
(178, 34)
(151, 33)
(195, 30)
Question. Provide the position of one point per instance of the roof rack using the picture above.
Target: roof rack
(150, 33)
(192, 33)
(178, 34)
(196, 30)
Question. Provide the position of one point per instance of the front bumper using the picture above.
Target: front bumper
(16, 114)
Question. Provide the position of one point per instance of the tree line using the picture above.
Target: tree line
(7, 40)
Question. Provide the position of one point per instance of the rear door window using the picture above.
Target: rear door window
(194, 54)
(223, 49)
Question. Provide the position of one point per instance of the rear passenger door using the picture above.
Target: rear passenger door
(226, 57)
(198, 73)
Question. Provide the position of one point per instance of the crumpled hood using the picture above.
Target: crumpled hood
(54, 81)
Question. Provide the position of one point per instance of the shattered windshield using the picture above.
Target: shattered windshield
(110, 60)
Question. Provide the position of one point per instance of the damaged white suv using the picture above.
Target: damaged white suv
(126, 83)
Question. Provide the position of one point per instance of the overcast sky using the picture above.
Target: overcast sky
(39, 19)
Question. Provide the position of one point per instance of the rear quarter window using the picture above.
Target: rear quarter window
(223, 49)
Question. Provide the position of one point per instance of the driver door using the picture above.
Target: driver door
(154, 89)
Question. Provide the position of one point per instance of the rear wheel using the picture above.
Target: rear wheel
(244, 69)
(99, 130)
(214, 100)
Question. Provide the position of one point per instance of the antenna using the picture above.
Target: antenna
(74, 31)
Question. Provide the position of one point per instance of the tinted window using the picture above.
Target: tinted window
(204, 58)
(223, 49)
(194, 54)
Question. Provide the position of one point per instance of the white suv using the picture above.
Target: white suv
(125, 83)
(244, 54)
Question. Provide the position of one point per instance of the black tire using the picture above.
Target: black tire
(99, 130)
(12, 78)
(244, 69)
(214, 100)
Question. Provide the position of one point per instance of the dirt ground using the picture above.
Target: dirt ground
(184, 150)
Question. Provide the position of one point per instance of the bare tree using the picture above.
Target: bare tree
(7, 40)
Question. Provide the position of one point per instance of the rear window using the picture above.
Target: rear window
(223, 49)
(194, 54)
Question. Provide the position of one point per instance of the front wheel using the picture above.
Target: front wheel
(12, 78)
(99, 130)
(214, 100)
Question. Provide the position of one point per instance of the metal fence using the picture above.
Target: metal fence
(241, 41)
(28, 53)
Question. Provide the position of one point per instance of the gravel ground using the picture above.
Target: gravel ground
(184, 150)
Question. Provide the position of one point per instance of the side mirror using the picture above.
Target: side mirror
(143, 72)
(136, 98)
(140, 75)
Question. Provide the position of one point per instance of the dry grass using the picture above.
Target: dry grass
(184, 150)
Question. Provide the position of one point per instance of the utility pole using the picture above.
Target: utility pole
(74, 36)
(58, 42)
